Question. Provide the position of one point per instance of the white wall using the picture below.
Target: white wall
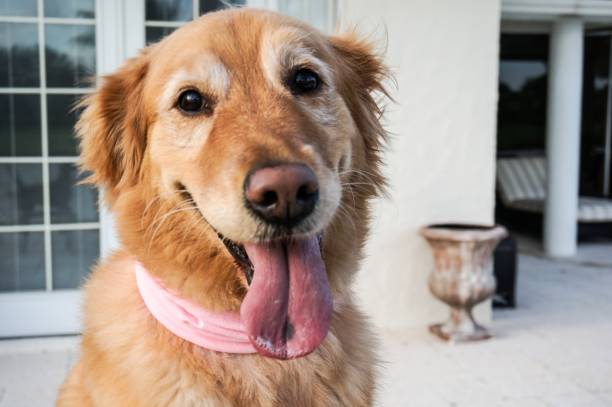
(441, 161)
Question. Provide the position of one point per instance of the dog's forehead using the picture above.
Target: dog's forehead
(239, 42)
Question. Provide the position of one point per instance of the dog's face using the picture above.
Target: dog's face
(254, 132)
(234, 110)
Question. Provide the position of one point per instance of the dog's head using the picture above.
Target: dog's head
(239, 155)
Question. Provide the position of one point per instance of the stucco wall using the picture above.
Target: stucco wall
(441, 160)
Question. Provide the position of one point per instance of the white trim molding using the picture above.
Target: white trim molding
(40, 313)
(593, 10)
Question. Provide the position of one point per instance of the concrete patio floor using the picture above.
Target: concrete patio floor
(554, 349)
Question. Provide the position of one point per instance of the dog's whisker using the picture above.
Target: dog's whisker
(156, 198)
(165, 217)
(149, 205)
(369, 176)
(350, 188)
(359, 183)
(343, 212)
(182, 206)
(347, 216)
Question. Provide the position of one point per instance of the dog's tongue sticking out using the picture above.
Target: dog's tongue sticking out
(288, 308)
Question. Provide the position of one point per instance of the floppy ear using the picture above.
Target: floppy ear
(113, 128)
(362, 74)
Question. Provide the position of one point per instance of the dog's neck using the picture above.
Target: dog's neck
(221, 332)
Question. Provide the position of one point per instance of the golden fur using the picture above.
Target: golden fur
(140, 150)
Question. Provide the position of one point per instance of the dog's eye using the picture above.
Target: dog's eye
(304, 81)
(192, 101)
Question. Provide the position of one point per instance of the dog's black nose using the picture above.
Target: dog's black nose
(282, 194)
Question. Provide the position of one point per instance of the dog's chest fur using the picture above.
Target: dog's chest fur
(129, 359)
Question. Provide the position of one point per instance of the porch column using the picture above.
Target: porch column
(563, 136)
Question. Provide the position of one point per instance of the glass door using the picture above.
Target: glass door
(49, 226)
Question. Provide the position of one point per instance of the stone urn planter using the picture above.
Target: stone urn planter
(463, 275)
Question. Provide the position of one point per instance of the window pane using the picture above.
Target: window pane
(22, 261)
(20, 125)
(21, 194)
(21, 8)
(315, 12)
(70, 202)
(155, 34)
(70, 9)
(595, 107)
(522, 105)
(207, 6)
(18, 55)
(74, 252)
(521, 114)
(169, 10)
(70, 55)
(62, 119)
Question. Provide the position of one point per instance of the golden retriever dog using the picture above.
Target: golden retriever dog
(239, 156)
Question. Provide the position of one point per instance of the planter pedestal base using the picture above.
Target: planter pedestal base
(460, 327)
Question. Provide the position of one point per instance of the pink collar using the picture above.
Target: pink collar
(221, 332)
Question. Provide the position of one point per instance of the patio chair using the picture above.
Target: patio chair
(521, 183)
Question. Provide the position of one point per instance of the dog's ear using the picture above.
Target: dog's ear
(362, 77)
(113, 128)
(363, 63)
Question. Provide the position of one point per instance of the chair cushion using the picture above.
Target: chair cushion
(521, 182)
(521, 178)
(591, 209)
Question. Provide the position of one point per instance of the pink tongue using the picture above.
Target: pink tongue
(288, 308)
